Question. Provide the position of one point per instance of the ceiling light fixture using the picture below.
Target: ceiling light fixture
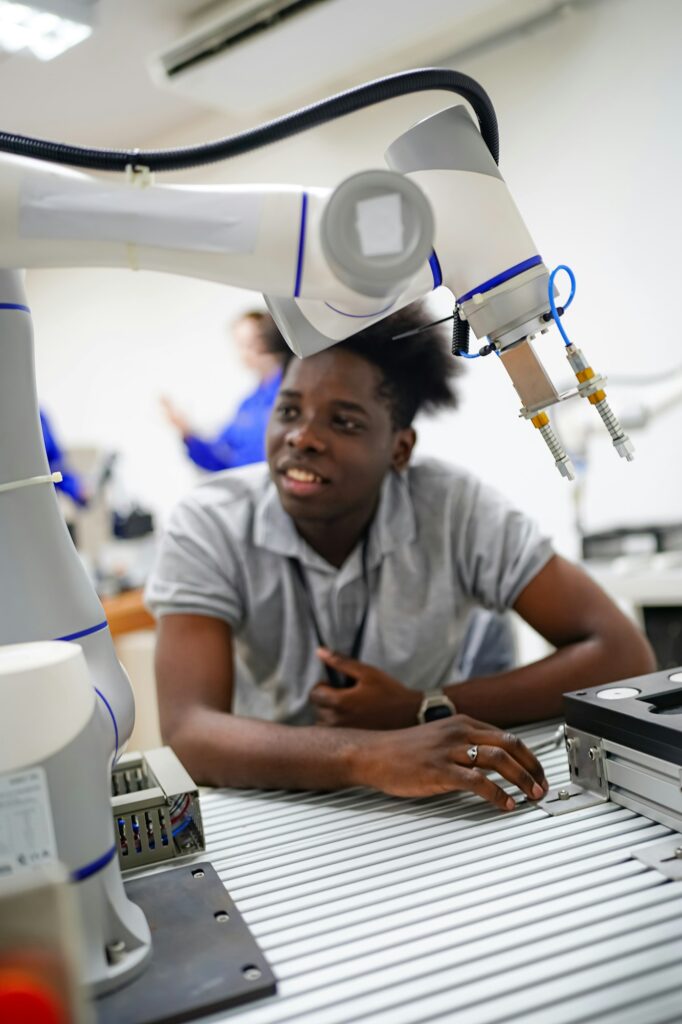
(44, 28)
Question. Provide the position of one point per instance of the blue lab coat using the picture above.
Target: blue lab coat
(242, 441)
(70, 483)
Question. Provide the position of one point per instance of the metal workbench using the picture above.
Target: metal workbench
(394, 911)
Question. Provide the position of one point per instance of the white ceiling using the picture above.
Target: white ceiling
(100, 93)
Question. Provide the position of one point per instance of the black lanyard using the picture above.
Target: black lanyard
(337, 679)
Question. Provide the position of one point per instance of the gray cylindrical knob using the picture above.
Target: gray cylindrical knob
(377, 231)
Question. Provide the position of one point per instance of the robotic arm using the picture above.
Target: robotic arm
(274, 238)
(331, 262)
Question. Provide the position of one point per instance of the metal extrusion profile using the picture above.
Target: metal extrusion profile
(391, 911)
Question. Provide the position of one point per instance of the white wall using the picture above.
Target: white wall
(589, 114)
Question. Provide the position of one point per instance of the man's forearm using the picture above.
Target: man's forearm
(534, 692)
(220, 749)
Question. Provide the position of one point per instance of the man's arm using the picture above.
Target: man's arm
(195, 679)
(211, 455)
(194, 673)
(596, 643)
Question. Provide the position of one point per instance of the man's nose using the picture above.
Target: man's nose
(304, 437)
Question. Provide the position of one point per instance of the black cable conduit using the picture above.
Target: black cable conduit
(315, 114)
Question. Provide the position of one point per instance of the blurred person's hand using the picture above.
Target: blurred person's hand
(176, 418)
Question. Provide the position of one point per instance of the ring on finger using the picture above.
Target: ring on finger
(472, 753)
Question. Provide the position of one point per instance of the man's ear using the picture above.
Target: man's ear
(404, 441)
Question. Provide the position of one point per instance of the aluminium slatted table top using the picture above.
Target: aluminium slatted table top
(391, 911)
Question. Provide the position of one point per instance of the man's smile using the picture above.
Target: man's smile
(301, 480)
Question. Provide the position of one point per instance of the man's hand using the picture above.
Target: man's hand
(175, 417)
(433, 758)
(376, 701)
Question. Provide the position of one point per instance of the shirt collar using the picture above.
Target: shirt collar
(393, 526)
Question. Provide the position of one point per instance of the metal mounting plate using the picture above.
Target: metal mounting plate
(204, 957)
(665, 857)
(577, 799)
(588, 775)
(586, 761)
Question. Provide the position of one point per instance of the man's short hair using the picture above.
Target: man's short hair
(417, 372)
(273, 341)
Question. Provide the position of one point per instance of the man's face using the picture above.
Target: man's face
(330, 438)
(248, 339)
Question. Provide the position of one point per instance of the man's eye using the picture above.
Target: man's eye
(349, 425)
(286, 412)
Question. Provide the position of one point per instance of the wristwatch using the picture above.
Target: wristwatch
(435, 705)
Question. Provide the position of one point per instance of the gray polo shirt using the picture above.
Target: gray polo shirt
(441, 544)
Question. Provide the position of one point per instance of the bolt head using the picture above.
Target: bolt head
(563, 794)
(565, 467)
(625, 448)
(592, 753)
(251, 973)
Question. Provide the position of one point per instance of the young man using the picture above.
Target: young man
(345, 543)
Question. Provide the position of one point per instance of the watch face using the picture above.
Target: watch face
(439, 711)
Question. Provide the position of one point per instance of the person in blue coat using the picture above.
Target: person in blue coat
(241, 440)
(71, 484)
